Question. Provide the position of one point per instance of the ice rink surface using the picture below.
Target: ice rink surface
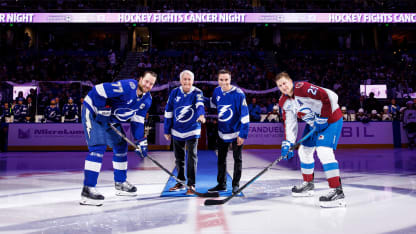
(40, 191)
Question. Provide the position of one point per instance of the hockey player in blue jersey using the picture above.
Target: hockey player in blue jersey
(233, 122)
(19, 111)
(184, 114)
(117, 102)
(52, 113)
(70, 111)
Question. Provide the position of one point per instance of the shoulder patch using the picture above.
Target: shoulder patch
(299, 84)
(132, 85)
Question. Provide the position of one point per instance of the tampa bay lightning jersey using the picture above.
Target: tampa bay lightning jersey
(52, 114)
(181, 112)
(233, 117)
(70, 111)
(125, 104)
(19, 112)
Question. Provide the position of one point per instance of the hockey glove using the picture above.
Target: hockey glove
(321, 123)
(142, 144)
(103, 115)
(286, 152)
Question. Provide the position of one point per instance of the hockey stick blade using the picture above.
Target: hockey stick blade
(210, 202)
(216, 194)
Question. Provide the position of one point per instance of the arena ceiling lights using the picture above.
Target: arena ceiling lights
(207, 17)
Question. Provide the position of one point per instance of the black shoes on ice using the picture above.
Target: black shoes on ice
(125, 189)
(90, 195)
(303, 190)
(218, 188)
(335, 198)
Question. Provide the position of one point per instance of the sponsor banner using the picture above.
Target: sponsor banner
(65, 134)
(14, 17)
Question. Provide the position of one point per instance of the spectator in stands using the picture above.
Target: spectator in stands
(52, 113)
(7, 113)
(409, 123)
(371, 103)
(254, 110)
(271, 105)
(394, 109)
(19, 111)
(375, 116)
(31, 111)
(273, 116)
(70, 111)
(386, 116)
(361, 116)
(345, 115)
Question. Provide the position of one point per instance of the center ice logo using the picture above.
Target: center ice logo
(224, 113)
(184, 113)
(124, 114)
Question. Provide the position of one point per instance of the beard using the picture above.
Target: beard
(141, 88)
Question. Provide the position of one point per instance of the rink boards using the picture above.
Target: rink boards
(55, 137)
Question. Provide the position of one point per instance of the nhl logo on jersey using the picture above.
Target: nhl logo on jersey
(224, 113)
(321, 137)
(299, 84)
(184, 113)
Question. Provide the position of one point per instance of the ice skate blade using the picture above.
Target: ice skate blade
(90, 202)
(124, 193)
(309, 193)
(333, 204)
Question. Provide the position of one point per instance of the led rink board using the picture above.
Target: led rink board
(207, 17)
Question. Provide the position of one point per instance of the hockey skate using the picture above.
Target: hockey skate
(304, 190)
(335, 198)
(125, 189)
(90, 196)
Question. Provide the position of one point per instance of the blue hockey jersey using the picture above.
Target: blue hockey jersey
(181, 112)
(19, 113)
(52, 114)
(233, 117)
(70, 111)
(125, 104)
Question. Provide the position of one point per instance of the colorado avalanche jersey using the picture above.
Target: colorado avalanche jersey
(19, 113)
(125, 104)
(308, 99)
(181, 112)
(52, 114)
(233, 117)
(70, 111)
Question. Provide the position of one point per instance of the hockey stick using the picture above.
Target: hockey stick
(162, 167)
(210, 202)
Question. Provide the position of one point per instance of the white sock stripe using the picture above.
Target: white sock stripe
(96, 154)
(92, 166)
(332, 173)
(120, 165)
(307, 171)
(121, 154)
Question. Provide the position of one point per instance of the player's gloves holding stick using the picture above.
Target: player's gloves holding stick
(142, 144)
(103, 115)
(286, 151)
(320, 123)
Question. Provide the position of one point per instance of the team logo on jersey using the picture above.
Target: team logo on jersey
(307, 115)
(142, 106)
(124, 114)
(132, 85)
(299, 85)
(224, 113)
(177, 98)
(184, 113)
(52, 114)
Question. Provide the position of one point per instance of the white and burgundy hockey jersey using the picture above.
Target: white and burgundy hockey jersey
(233, 117)
(181, 112)
(125, 105)
(306, 96)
